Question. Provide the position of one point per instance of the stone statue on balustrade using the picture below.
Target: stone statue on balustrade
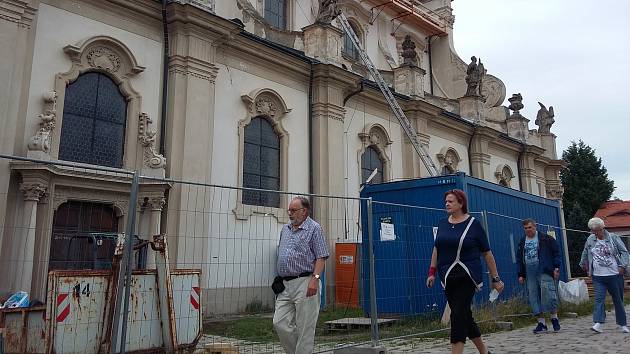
(544, 118)
(409, 52)
(328, 11)
(474, 77)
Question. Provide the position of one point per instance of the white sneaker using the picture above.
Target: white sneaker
(597, 327)
(625, 329)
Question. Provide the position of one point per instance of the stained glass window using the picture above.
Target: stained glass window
(94, 117)
(261, 163)
(369, 161)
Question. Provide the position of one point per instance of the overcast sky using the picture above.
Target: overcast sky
(571, 54)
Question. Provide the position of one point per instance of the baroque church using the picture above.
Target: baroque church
(266, 94)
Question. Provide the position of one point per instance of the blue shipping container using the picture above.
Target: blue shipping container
(401, 264)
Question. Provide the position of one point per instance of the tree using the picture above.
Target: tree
(586, 188)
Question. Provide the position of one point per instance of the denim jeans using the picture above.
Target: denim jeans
(541, 291)
(614, 285)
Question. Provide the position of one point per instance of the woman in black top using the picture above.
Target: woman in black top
(457, 261)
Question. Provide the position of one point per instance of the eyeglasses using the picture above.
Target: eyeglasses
(291, 211)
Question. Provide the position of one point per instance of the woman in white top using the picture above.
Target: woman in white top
(605, 258)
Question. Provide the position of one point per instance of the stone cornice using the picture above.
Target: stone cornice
(217, 27)
(534, 150)
(328, 110)
(190, 66)
(20, 12)
(150, 8)
(262, 55)
(509, 144)
(337, 76)
(480, 157)
(421, 106)
(83, 177)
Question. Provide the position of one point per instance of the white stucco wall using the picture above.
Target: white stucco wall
(231, 84)
(57, 28)
(357, 121)
(438, 142)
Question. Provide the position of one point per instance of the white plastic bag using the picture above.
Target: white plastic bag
(575, 291)
(494, 294)
(19, 299)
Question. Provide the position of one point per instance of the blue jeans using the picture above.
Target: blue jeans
(541, 291)
(614, 285)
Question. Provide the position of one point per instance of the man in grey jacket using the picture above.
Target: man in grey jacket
(606, 259)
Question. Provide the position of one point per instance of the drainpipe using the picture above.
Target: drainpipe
(359, 90)
(430, 64)
(518, 167)
(469, 147)
(518, 160)
(164, 80)
(311, 159)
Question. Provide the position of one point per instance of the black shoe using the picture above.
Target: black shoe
(540, 328)
(556, 324)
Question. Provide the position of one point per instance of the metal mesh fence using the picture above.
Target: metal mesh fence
(203, 258)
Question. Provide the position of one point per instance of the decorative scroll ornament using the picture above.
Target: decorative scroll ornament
(42, 139)
(103, 58)
(147, 140)
(266, 106)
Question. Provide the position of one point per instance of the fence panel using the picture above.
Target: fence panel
(222, 253)
(234, 245)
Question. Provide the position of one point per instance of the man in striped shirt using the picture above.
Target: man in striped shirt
(302, 254)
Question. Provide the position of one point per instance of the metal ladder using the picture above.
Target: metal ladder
(391, 100)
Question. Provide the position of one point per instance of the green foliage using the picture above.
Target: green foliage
(586, 188)
(586, 184)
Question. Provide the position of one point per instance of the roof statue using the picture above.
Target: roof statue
(328, 11)
(544, 118)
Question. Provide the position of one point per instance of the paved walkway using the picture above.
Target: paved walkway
(574, 337)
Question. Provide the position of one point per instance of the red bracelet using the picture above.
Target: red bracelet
(432, 271)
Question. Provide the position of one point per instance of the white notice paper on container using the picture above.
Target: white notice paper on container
(387, 232)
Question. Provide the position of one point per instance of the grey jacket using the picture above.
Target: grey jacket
(619, 251)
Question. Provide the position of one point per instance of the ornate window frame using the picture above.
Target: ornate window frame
(109, 56)
(449, 158)
(289, 13)
(504, 175)
(375, 135)
(360, 32)
(359, 18)
(267, 104)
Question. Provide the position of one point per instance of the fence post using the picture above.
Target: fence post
(373, 309)
(125, 281)
(493, 305)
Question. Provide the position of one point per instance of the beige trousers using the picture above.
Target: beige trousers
(296, 315)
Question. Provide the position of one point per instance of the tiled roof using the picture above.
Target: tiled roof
(615, 213)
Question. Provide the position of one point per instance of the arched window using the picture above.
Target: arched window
(348, 49)
(504, 175)
(276, 13)
(261, 163)
(447, 170)
(94, 117)
(369, 161)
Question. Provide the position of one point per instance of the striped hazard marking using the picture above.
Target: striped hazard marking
(194, 297)
(63, 306)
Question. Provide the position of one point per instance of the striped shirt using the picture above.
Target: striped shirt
(298, 250)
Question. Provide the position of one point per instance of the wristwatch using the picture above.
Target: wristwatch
(316, 276)
(496, 279)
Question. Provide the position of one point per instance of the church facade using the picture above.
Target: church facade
(265, 94)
